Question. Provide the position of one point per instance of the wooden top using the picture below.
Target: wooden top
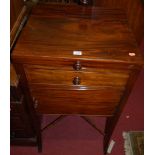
(55, 31)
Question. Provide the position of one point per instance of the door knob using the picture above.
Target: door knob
(76, 81)
(77, 66)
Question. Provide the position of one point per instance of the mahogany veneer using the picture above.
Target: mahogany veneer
(98, 81)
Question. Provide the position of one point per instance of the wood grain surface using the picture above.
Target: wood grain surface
(58, 31)
(97, 81)
(59, 76)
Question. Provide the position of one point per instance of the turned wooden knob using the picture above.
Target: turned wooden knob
(77, 66)
(35, 104)
(85, 2)
(76, 81)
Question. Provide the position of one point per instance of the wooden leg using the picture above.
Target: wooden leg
(109, 128)
(110, 125)
(39, 142)
(39, 134)
(112, 121)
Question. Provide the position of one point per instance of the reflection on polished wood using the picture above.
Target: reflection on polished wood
(78, 60)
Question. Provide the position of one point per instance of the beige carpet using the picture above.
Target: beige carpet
(134, 143)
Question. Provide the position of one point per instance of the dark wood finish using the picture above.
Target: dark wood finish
(19, 120)
(23, 141)
(100, 32)
(22, 130)
(88, 77)
(15, 91)
(98, 81)
(77, 66)
(85, 2)
(135, 13)
(16, 7)
(34, 118)
(17, 13)
(111, 121)
(88, 102)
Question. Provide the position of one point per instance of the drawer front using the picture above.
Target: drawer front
(89, 102)
(84, 77)
(76, 90)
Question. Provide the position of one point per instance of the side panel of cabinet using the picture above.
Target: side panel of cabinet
(15, 10)
(20, 121)
(18, 11)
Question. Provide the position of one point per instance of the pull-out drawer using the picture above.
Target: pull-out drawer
(89, 102)
(58, 76)
(67, 91)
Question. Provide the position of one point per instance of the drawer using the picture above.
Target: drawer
(84, 77)
(87, 102)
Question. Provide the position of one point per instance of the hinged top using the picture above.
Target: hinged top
(56, 31)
